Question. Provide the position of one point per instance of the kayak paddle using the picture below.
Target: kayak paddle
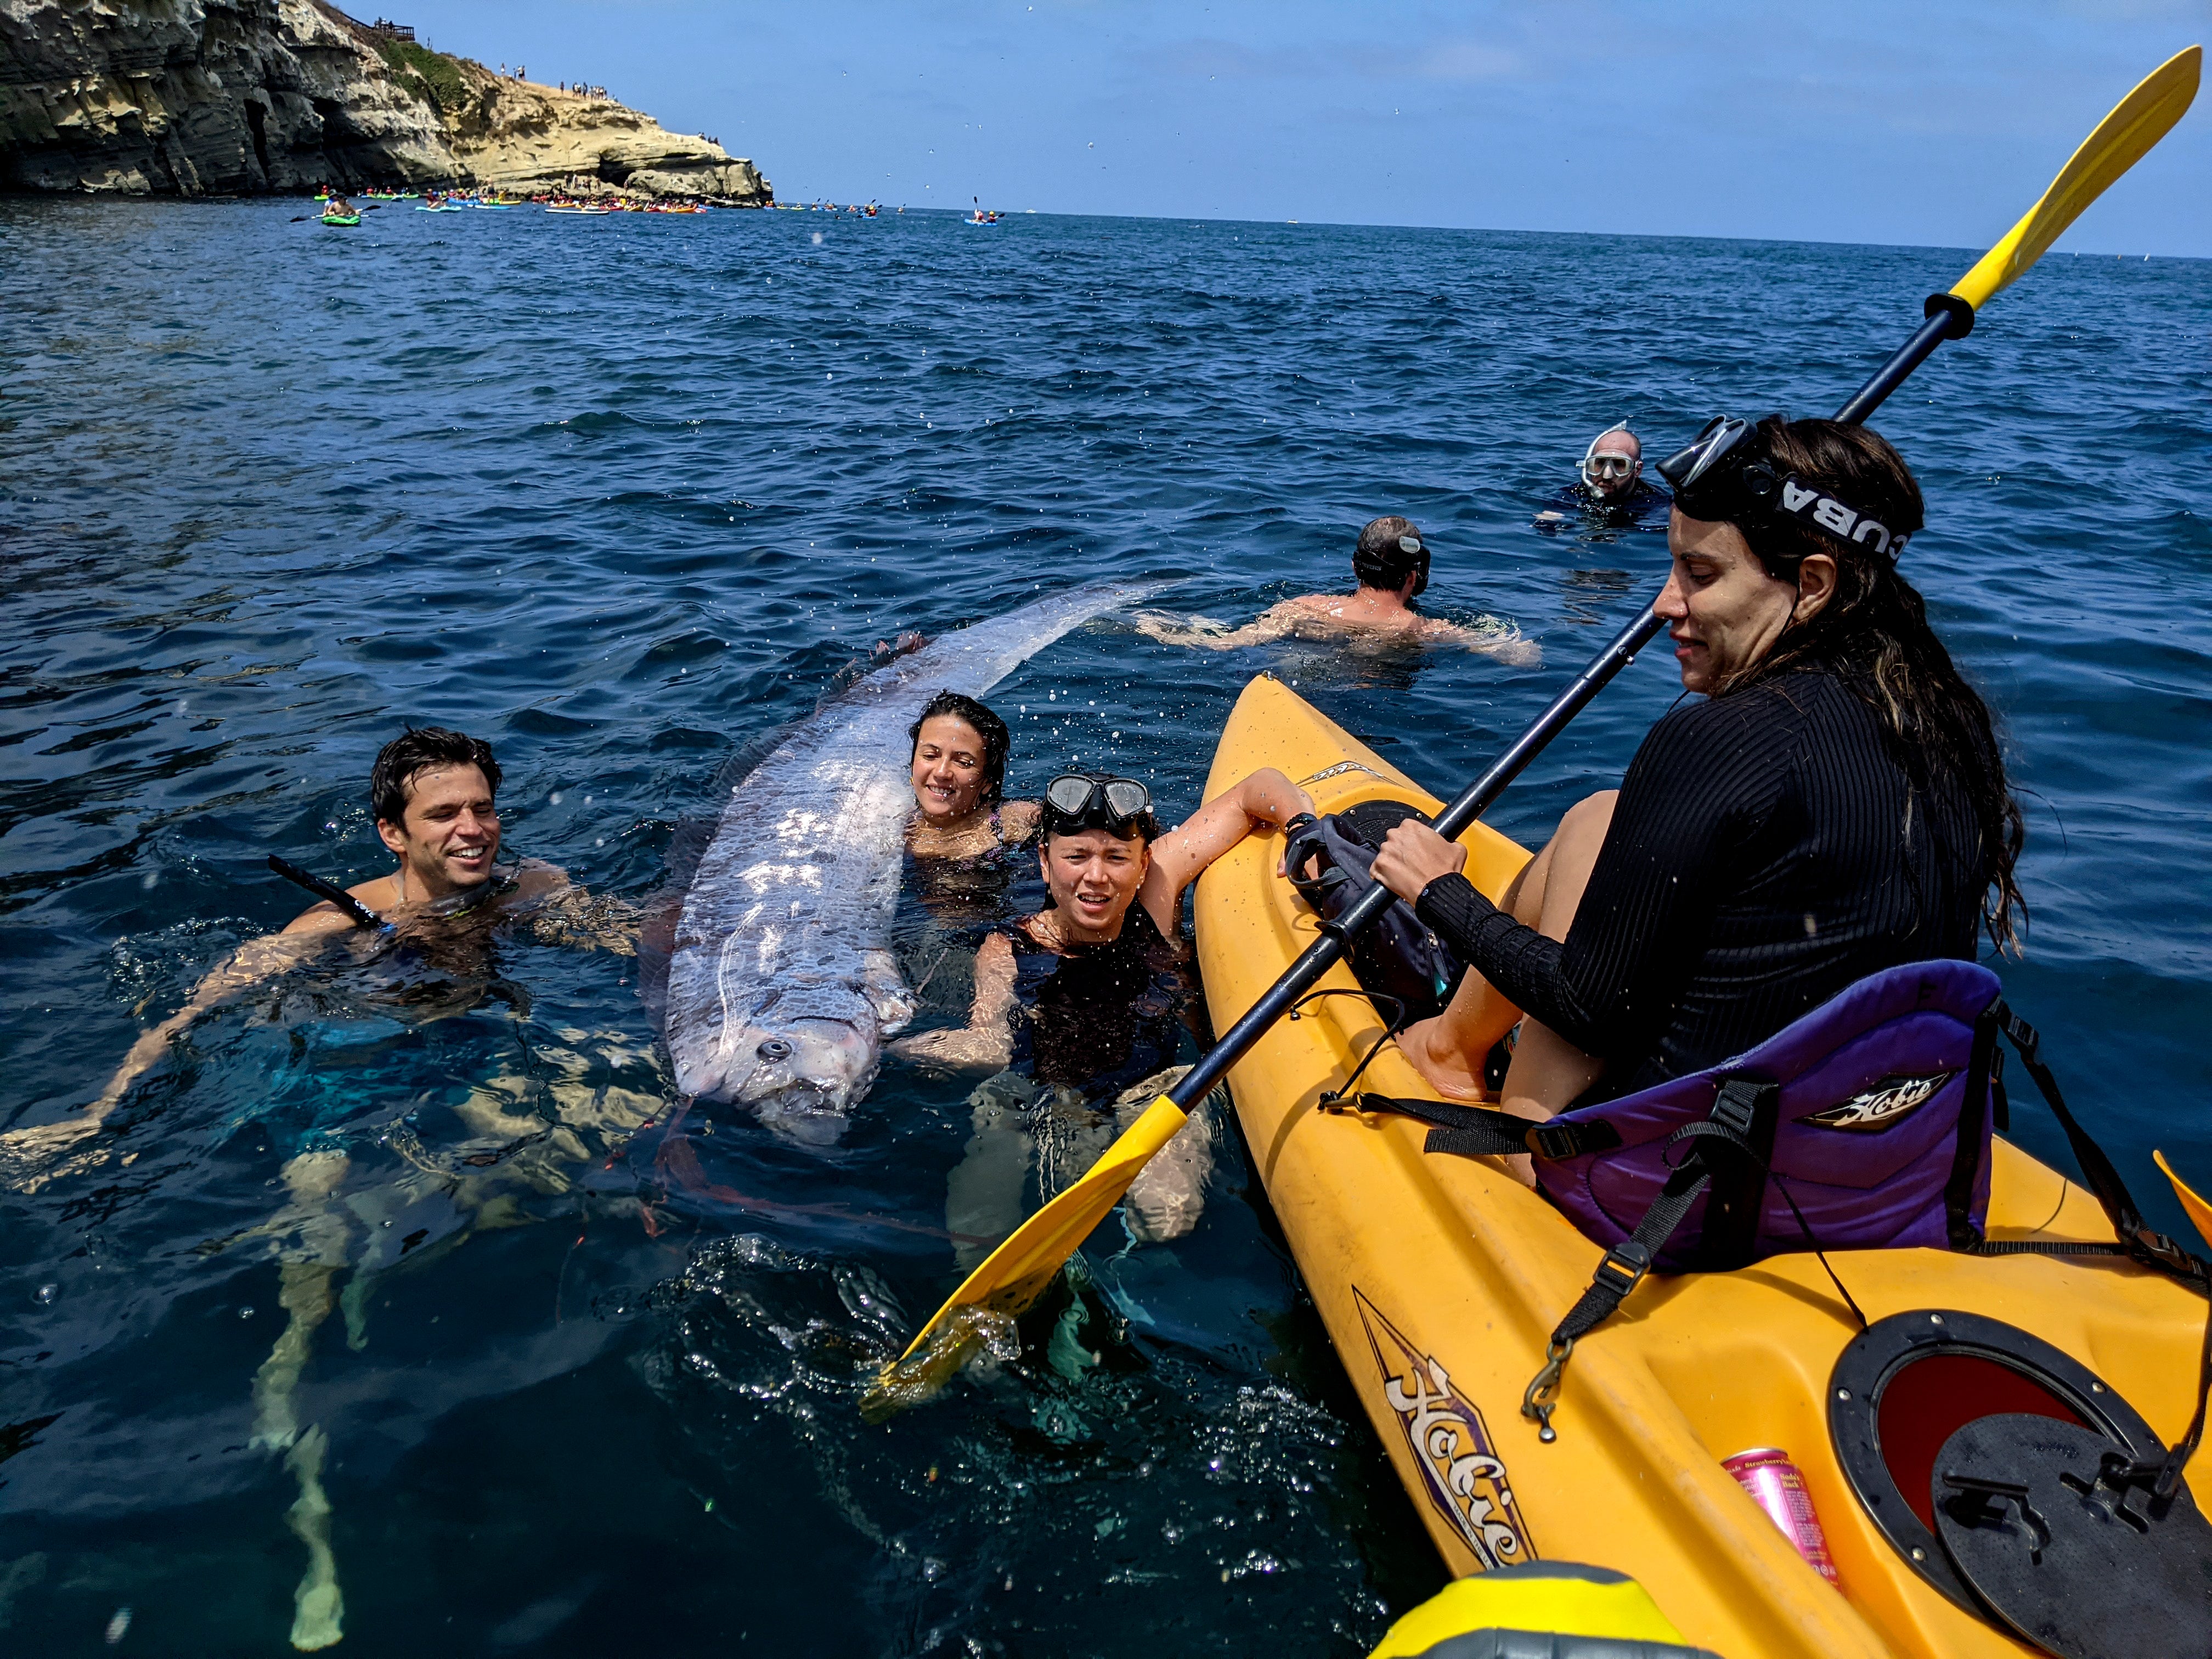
(1018, 1272)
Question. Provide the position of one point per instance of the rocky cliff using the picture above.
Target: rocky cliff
(195, 97)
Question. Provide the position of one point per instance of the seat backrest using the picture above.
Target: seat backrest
(1865, 1122)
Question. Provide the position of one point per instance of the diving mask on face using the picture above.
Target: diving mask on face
(1598, 468)
(1074, 801)
(1723, 476)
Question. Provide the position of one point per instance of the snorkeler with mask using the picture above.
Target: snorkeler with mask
(1084, 1003)
(1612, 492)
(1390, 564)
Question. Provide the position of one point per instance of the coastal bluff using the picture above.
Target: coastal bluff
(245, 97)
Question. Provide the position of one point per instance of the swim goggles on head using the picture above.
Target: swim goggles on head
(1076, 801)
(1414, 548)
(1609, 466)
(1722, 475)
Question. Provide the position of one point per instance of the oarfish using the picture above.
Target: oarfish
(781, 983)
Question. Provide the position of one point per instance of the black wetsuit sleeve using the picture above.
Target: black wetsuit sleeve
(1700, 780)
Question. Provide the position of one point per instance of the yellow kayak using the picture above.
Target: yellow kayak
(1441, 1279)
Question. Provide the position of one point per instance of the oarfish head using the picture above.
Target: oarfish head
(800, 1074)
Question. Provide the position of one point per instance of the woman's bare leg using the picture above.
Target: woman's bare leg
(1448, 1051)
(1548, 1072)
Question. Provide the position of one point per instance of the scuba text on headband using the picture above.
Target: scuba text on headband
(1075, 801)
(1721, 477)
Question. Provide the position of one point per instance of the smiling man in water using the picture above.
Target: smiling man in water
(434, 794)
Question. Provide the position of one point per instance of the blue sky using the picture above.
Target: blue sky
(1883, 121)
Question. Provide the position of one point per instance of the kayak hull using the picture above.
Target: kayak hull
(1440, 1279)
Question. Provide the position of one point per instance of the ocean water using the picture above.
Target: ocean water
(627, 497)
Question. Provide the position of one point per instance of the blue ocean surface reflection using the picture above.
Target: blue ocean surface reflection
(392, 1311)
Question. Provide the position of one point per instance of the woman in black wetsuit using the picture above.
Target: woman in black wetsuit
(1834, 805)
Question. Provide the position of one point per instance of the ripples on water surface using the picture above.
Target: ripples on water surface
(624, 497)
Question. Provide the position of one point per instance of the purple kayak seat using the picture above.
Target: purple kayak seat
(1859, 1111)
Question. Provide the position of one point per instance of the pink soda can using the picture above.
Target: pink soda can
(1777, 1486)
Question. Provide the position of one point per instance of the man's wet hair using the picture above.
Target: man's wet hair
(417, 750)
(988, 727)
(1378, 561)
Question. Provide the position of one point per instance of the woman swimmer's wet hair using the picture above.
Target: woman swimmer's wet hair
(988, 727)
(1378, 561)
(1875, 632)
(416, 750)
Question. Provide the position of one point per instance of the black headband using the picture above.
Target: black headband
(1722, 476)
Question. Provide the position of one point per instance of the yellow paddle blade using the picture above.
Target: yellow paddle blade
(1016, 1273)
(2122, 139)
(2197, 1209)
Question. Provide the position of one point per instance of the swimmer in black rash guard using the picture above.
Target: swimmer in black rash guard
(1612, 493)
(1835, 806)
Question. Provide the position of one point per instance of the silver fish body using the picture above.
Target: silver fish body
(781, 984)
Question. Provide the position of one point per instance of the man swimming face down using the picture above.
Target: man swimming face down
(434, 792)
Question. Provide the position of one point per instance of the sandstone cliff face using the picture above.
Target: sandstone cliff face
(193, 97)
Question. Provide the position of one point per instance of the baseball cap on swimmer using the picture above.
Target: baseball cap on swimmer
(1076, 801)
(1388, 550)
(1724, 474)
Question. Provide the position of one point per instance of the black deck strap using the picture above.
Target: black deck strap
(1819, 1255)
(2151, 1248)
(1483, 1132)
(1966, 1160)
(1739, 1107)
(2169, 1474)
(1742, 1121)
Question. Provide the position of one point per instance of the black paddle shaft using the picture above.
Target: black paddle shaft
(1948, 319)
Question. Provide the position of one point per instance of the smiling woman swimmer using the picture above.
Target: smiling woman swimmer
(1083, 1002)
(963, 829)
(959, 774)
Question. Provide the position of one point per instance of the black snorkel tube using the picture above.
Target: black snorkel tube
(361, 915)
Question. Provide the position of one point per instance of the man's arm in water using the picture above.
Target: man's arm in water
(986, 1041)
(1209, 635)
(1500, 642)
(566, 914)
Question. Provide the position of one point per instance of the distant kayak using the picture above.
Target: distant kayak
(442, 207)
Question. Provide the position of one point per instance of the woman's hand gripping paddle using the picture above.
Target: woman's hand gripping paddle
(1018, 1272)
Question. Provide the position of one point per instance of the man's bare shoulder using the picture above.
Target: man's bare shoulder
(377, 893)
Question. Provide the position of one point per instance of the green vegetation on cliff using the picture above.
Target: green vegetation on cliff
(430, 75)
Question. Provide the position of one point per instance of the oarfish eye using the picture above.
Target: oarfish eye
(774, 1048)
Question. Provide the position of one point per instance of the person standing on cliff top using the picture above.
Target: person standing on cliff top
(1390, 563)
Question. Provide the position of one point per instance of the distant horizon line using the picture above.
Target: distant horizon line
(1481, 230)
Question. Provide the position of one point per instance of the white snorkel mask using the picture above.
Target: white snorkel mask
(1593, 474)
